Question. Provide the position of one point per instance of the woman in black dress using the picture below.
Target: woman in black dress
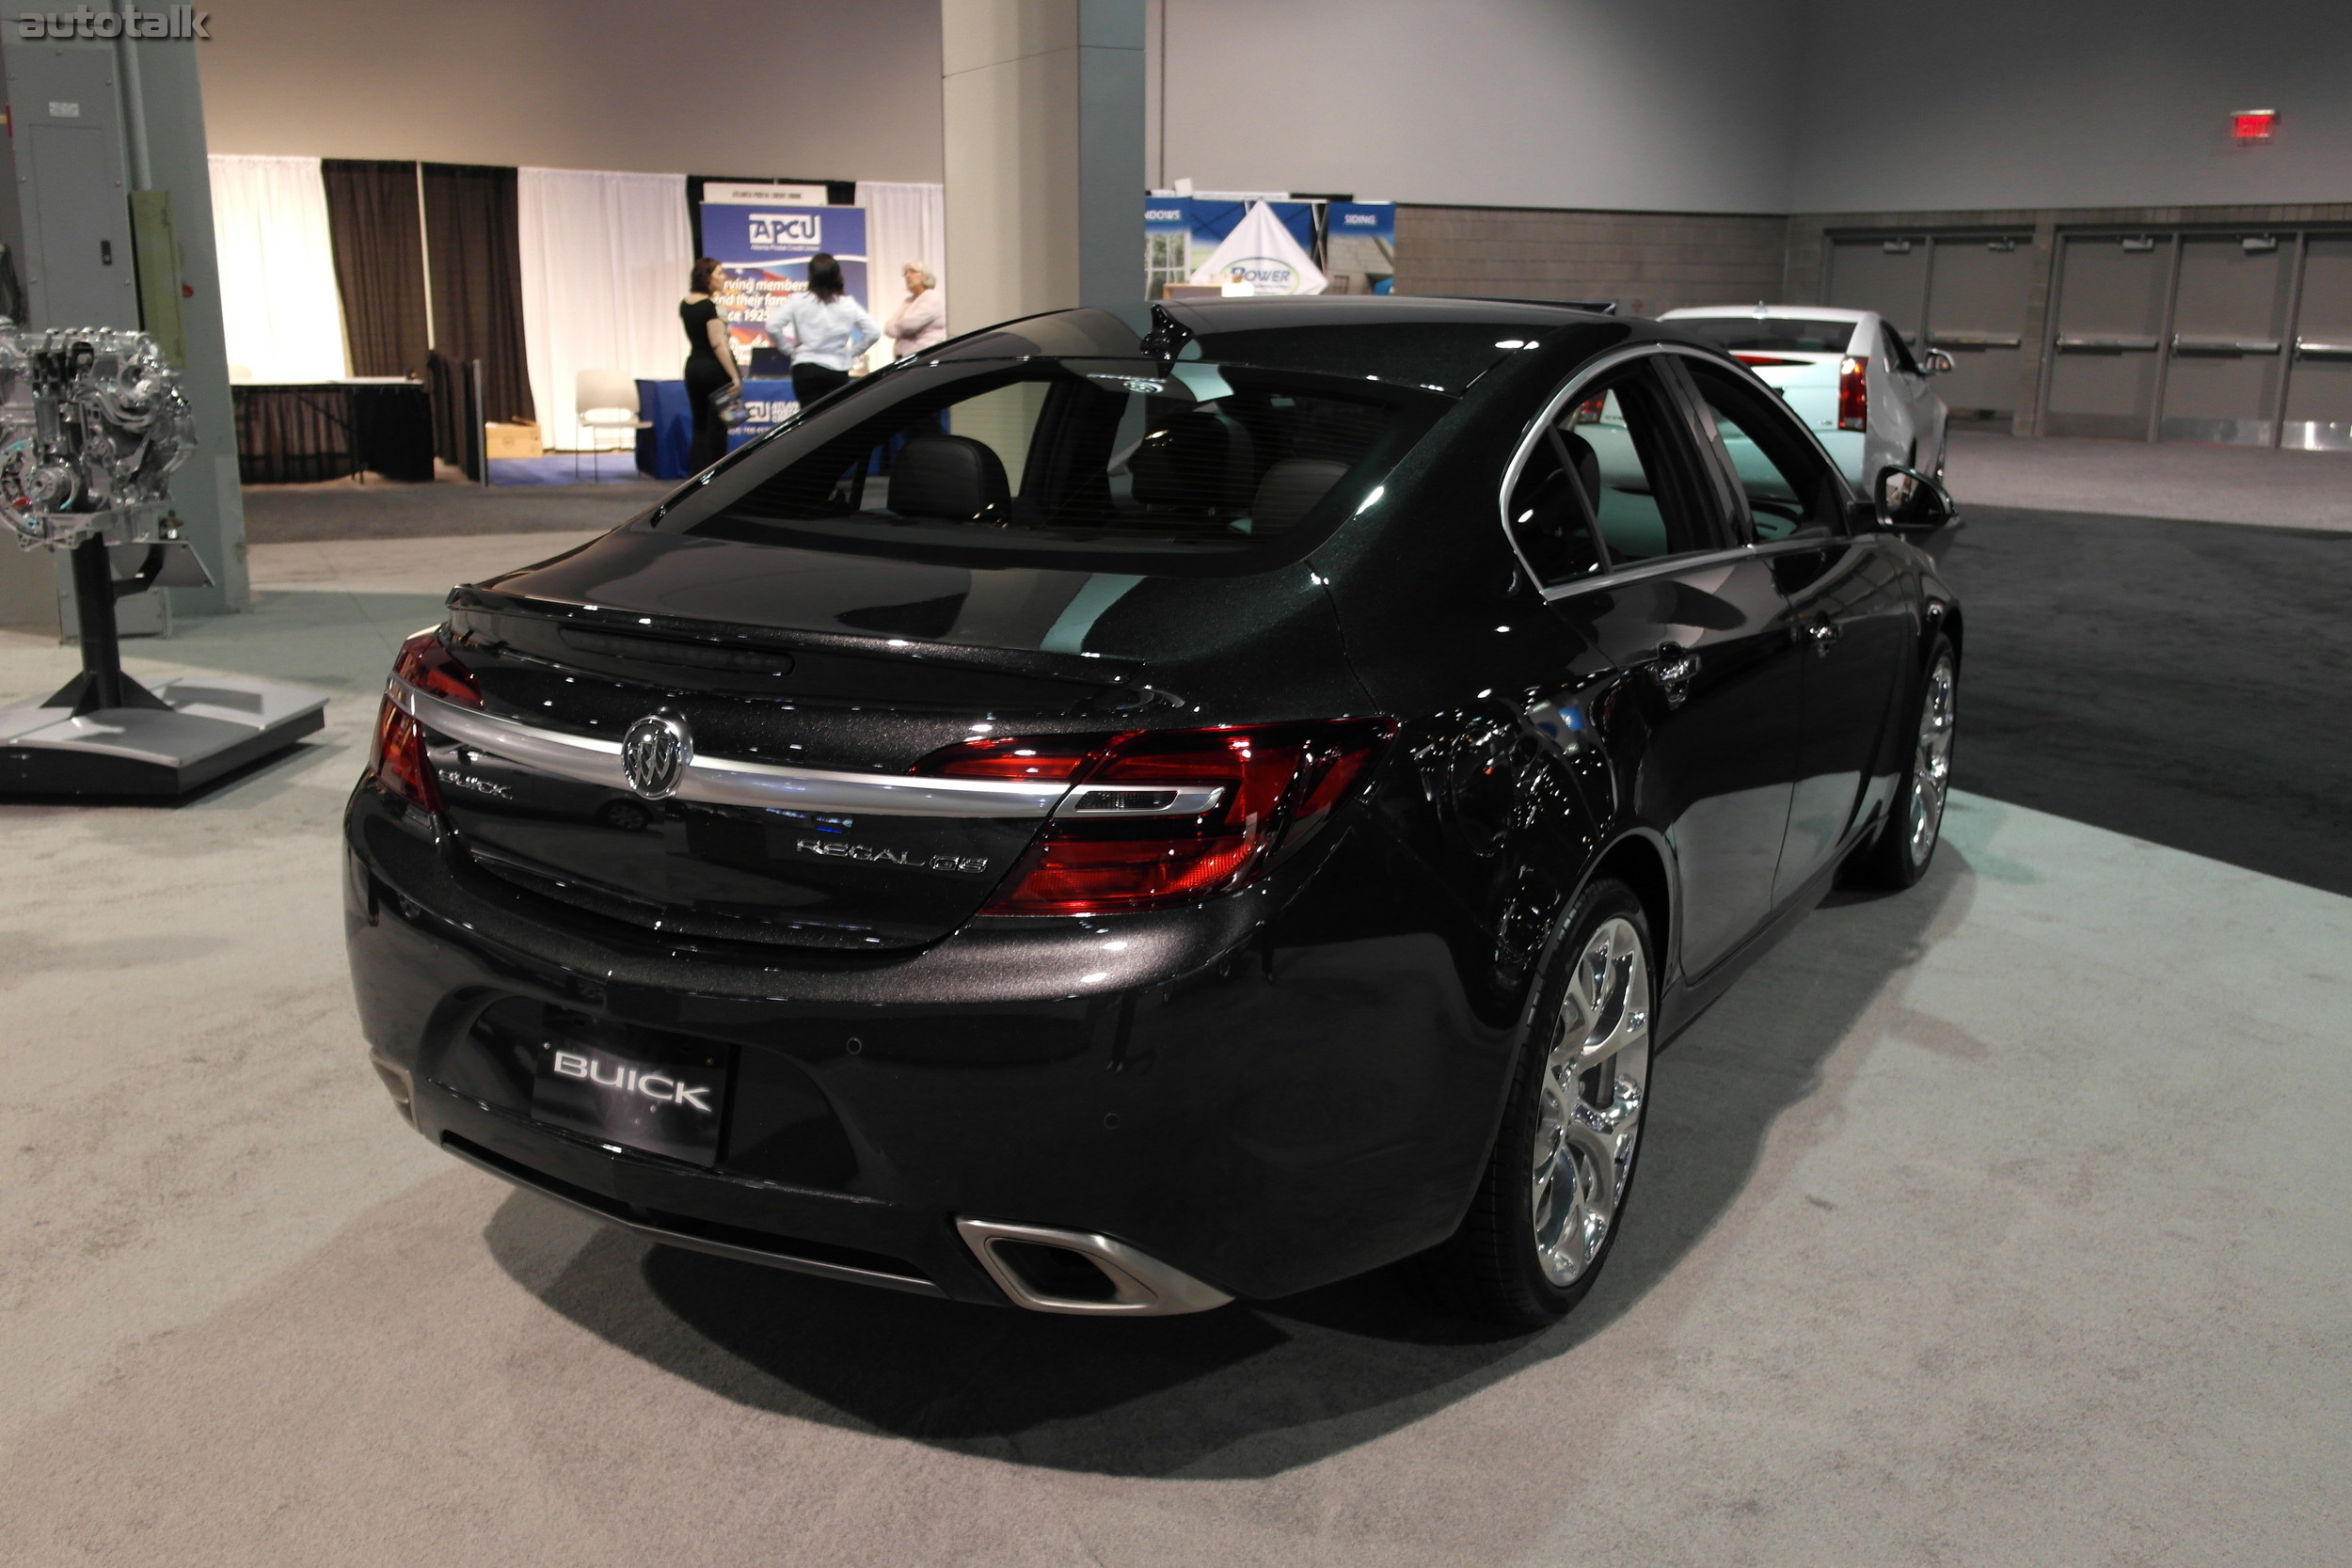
(709, 363)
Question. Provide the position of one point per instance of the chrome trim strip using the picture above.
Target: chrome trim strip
(1190, 799)
(1142, 1286)
(728, 780)
(1673, 564)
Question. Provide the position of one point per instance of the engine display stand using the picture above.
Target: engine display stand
(104, 733)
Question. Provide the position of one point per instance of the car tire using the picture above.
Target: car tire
(1905, 844)
(1551, 1200)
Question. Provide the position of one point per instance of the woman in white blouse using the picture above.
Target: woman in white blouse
(922, 320)
(825, 328)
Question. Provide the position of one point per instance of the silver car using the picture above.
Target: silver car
(1848, 374)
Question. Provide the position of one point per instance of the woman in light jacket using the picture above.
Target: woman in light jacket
(922, 320)
(826, 330)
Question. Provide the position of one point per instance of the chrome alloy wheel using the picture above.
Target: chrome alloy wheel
(1931, 762)
(1593, 1088)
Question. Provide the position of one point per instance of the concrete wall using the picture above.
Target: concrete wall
(1675, 106)
(1670, 105)
(2026, 103)
(844, 91)
(1646, 261)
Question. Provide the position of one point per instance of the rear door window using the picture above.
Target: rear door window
(1611, 483)
(1898, 350)
(1790, 486)
(1623, 436)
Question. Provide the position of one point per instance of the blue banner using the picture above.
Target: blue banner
(766, 249)
(1359, 247)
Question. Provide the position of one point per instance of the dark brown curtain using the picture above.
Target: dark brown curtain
(474, 247)
(380, 264)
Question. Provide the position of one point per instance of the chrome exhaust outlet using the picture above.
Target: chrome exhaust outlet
(1085, 1274)
(397, 1083)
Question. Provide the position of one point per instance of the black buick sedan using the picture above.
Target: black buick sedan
(1109, 825)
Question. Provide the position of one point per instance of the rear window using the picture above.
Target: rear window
(1786, 334)
(1133, 464)
(1442, 357)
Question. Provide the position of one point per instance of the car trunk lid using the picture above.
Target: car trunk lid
(1806, 382)
(812, 684)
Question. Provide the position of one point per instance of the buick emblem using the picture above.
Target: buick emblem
(654, 755)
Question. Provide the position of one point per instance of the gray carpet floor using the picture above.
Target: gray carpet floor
(1970, 1229)
(2180, 682)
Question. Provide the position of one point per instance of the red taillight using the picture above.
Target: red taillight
(425, 662)
(1766, 360)
(1853, 394)
(398, 763)
(1120, 848)
(1010, 759)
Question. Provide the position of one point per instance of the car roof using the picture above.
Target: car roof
(1816, 312)
(1252, 314)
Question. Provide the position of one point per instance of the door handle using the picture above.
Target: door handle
(1822, 634)
(1672, 669)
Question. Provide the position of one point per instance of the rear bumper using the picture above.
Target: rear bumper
(1264, 1094)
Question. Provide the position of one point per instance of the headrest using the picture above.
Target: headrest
(951, 476)
(1291, 489)
(1201, 462)
(1587, 466)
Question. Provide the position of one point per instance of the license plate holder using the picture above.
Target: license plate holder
(667, 1098)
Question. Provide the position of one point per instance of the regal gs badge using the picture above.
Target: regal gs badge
(654, 756)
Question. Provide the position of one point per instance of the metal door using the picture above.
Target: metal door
(2113, 296)
(1977, 297)
(78, 220)
(2319, 388)
(1887, 276)
(2228, 320)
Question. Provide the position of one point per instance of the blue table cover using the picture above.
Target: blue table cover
(662, 447)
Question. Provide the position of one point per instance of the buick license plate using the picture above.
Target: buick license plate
(661, 1100)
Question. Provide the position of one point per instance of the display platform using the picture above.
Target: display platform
(200, 728)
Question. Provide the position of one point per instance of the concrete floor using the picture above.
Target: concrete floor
(1998, 1222)
(345, 509)
(2135, 479)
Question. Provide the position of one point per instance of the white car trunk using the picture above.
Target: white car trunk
(1808, 381)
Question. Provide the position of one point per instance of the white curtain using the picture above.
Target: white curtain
(903, 223)
(604, 260)
(279, 306)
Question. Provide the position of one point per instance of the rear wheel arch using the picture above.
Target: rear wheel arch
(1641, 865)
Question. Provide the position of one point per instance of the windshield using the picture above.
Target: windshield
(1782, 333)
(1133, 464)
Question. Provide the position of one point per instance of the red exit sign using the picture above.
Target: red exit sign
(2252, 126)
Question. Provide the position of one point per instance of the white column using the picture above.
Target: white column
(1043, 108)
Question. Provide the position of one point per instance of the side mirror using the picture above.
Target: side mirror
(1911, 503)
(1940, 363)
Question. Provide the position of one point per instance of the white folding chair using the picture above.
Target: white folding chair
(605, 401)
